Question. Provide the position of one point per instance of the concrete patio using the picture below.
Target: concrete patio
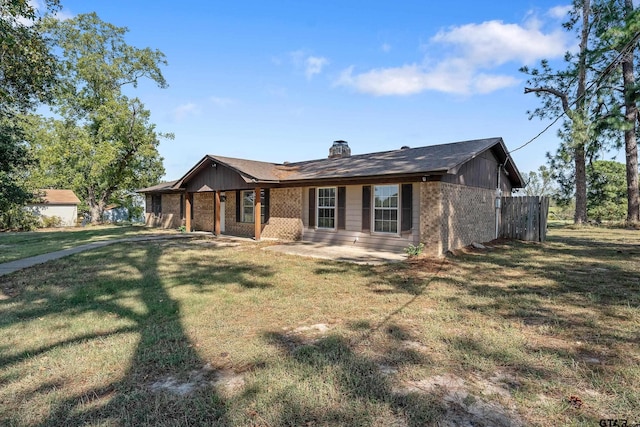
(354, 254)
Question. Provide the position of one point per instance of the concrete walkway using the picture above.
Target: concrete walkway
(10, 267)
(354, 254)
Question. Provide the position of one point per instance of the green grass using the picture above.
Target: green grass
(91, 339)
(15, 246)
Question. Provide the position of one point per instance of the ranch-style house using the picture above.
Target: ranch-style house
(445, 196)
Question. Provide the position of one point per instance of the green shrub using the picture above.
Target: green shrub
(412, 250)
(17, 218)
(51, 221)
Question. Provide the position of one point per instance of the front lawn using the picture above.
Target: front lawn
(214, 332)
(18, 245)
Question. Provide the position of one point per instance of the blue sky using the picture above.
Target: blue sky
(279, 81)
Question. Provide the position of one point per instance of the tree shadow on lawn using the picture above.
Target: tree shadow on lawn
(390, 278)
(20, 244)
(163, 354)
(572, 302)
(552, 284)
(364, 394)
(576, 298)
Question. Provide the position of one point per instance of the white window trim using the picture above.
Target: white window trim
(253, 215)
(242, 206)
(335, 209)
(398, 212)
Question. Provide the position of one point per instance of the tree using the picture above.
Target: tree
(556, 88)
(606, 197)
(27, 76)
(14, 159)
(104, 143)
(27, 68)
(631, 115)
(539, 183)
(618, 32)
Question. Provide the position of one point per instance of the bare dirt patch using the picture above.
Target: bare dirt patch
(226, 381)
(464, 408)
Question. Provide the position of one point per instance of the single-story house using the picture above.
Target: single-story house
(441, 195)
(56, 203)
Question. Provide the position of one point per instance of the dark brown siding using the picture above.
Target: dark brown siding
(480, 172)
(219, 178)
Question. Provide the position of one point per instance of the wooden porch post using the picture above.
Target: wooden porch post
(216, 226)
(257, 205)
(187, 202)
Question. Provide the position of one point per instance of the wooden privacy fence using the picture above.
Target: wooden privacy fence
(524, 218)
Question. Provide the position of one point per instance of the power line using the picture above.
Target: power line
(539, 134)
(603, 74)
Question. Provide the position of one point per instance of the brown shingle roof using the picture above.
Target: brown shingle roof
(262, 171)
(163, 186)
(433, 159)
(58, 197)
(443, 158)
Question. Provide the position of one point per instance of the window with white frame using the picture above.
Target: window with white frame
(248, 202)
(248, 199)
(386, 204)
(327, 207)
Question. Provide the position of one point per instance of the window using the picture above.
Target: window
(156, 204)
(247, 203)
(327, 207)
(248, 198)
(385, 208)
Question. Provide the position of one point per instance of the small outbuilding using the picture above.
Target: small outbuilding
(62, 204)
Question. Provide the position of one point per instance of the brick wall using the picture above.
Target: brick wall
(453, 216)
(285, 214)
(430, 214)
(170, 216)
(471, 214)
(203, 208)
(231, 227)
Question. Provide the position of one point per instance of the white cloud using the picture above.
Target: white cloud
(314, 65)
(221, 101)
(496, 41)
(486, 83)
(183, 111)
(474, 53)
(405, 80)
(311, 65)
(559, 12)
(40, 9)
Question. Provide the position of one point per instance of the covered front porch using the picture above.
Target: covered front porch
(237, 212)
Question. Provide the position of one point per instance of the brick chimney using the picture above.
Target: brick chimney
(339, 149)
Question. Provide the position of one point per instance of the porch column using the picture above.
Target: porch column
(216, 225)
(187, 203)
(257, 205)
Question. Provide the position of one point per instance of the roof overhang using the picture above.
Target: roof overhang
(502, 154)
(209, 160)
